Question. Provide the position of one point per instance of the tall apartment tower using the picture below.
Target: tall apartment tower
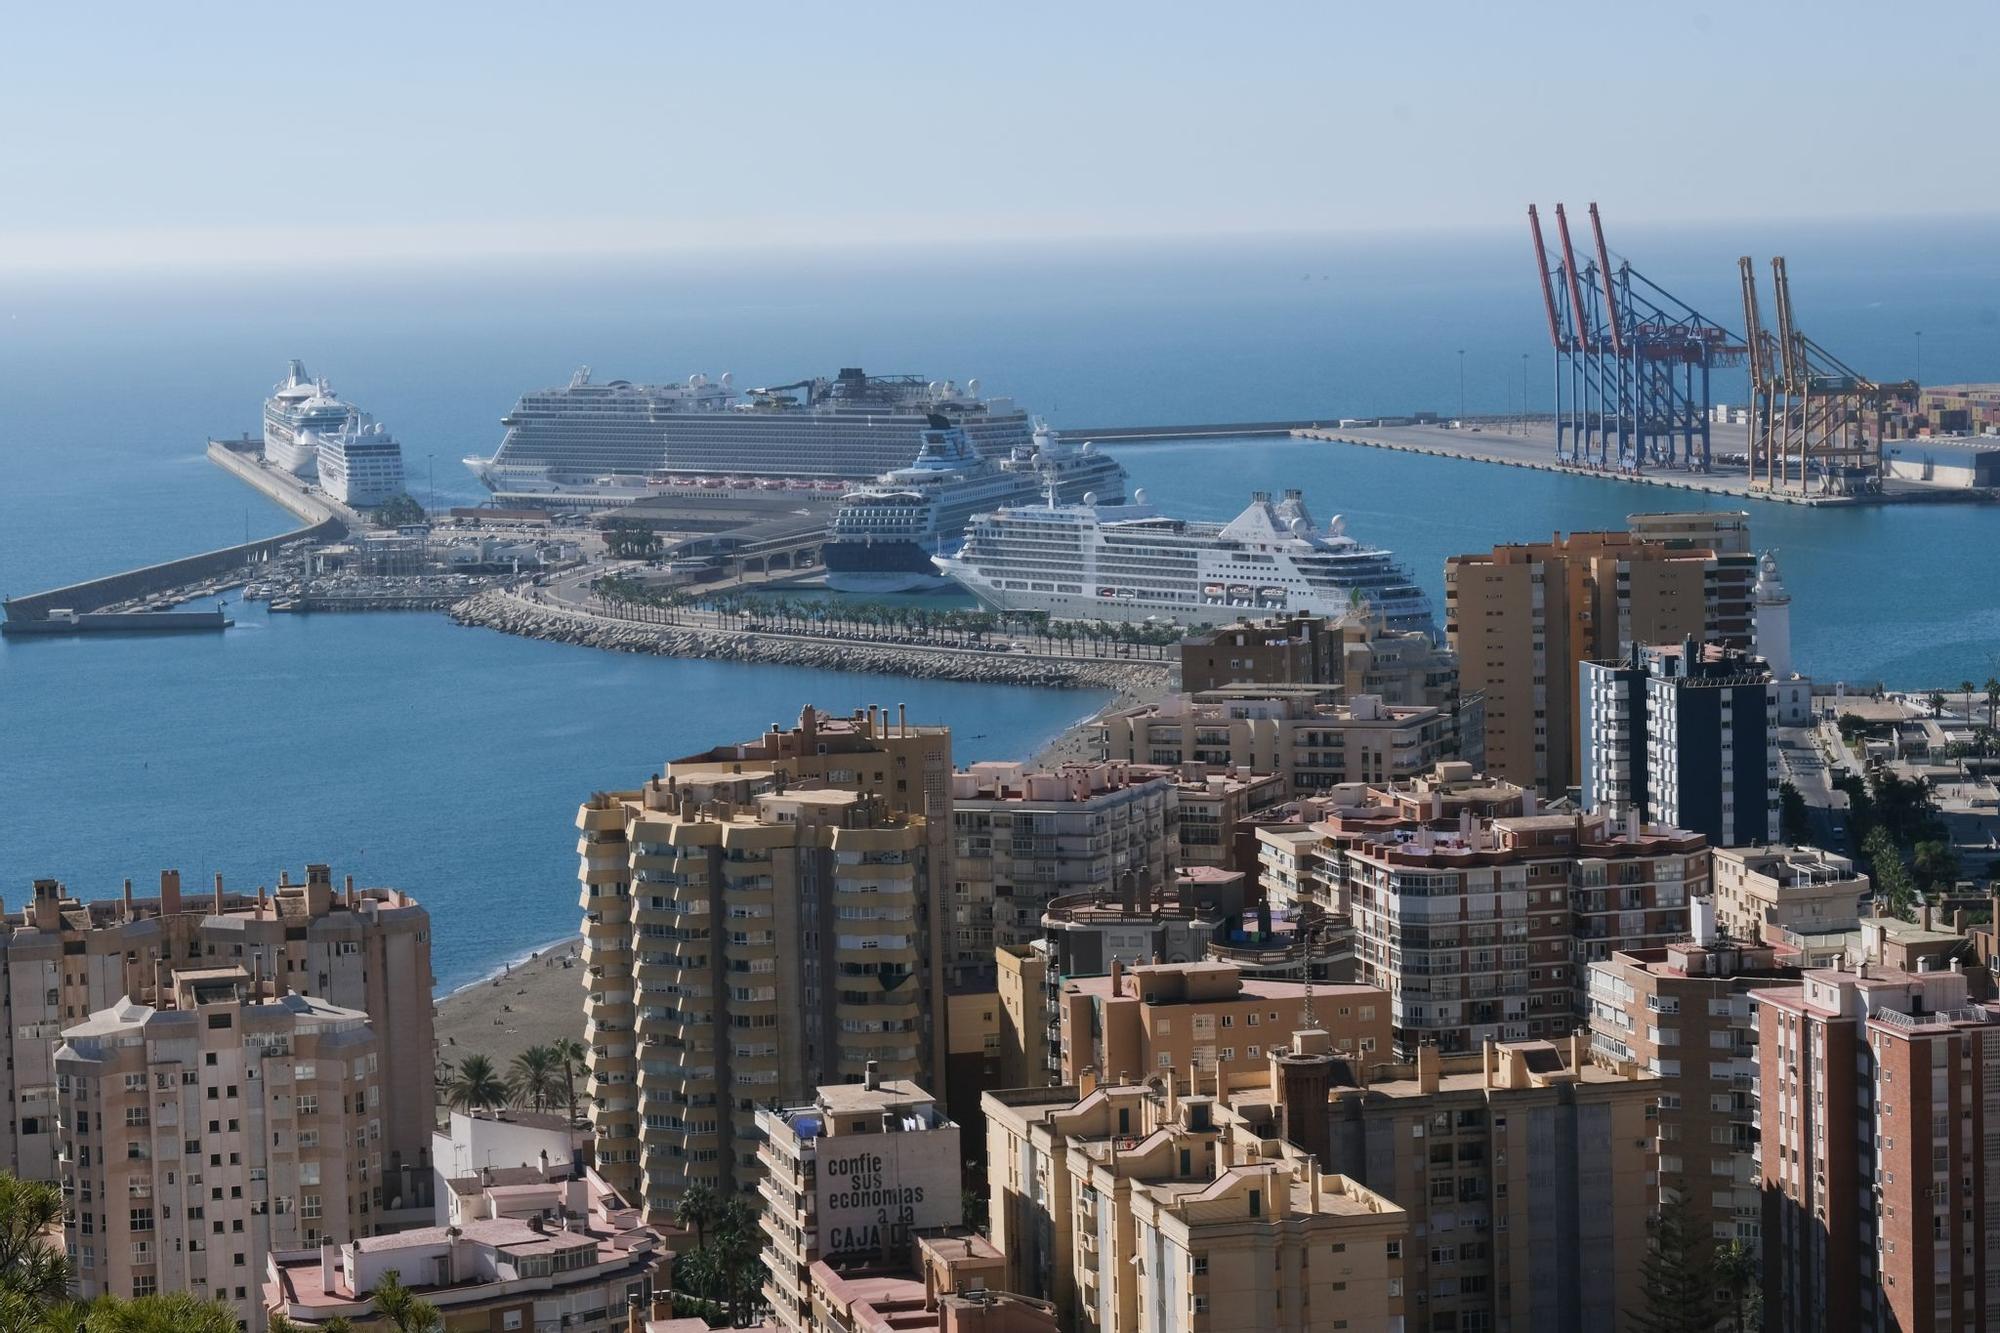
(62, 960)
(1523, 618)
(1879, 1100)
(744, 942)
(220, 1123)
(1685, 735)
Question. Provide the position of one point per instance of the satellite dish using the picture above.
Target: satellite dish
(727, 379)
(1089, 447)
(1090, 497)
(972, 388)
(1337, 525)
(1139, 496)
(696, 380)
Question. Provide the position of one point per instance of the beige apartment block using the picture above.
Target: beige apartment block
(62, 960)
(1142, 1207)
(1763, 892)
(1522, 618)
(1206, 1016)
(1216, 805)
(530, 1250)
(1021, 838)
(855, 1175)
(206, 1129)
(1683, 1014)
(1356, 652)
(744, 942)
(1305, 733)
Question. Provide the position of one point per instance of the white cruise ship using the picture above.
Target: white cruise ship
(361, 465)
(617, 439)
(297, 406)
(1084, 562)
(885, 534)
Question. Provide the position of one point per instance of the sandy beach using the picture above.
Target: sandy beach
(536, 1001)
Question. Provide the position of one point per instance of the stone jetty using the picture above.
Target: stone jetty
(512, 614)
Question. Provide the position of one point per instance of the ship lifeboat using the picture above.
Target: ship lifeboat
(1128, 594)
(1107, 592)
(1271, 594)
(713, 483)
(1211, 590)
(1239, 592)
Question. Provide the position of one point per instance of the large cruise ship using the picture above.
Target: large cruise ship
(1085, 562)
(298, 406)
(885, 534)
(616, 439)
(360, 465)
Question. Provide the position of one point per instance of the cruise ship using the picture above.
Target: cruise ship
(1086, 562)
(360, 465)
(884, 534)
(615, 440)
(298, 406)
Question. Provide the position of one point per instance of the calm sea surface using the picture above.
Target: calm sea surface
(408, 751)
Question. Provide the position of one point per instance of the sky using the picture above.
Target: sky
(222, 134)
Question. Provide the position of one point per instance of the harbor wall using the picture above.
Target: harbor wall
(323, 525)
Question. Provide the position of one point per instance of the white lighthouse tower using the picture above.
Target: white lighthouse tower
(1774, 617)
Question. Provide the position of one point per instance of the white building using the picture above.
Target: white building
(498, 1140)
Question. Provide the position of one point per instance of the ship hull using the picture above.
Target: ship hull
(880, 567)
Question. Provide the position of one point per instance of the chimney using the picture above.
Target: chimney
(635, 1314)
(902, 719)
(170, 892)
(1117, 976)
(1489, 1059)
(48, 905)
(350, 891)
(218, 893)
(1427, 1068)
(264, 896)
(1958, 921)
(128, 900)
(871, 1077)
(1924, 916)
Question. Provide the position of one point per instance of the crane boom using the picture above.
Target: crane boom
(1755, 330)
(1575, 287)
(1542, 272)
(1791, 352)
(1604, 276)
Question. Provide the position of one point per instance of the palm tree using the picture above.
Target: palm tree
(535, 1078)
(34, 1274)
(575, 1063)
(402, 1307)
(697, 1207)
(1992, 701)
(169, 1312)
(477, 1086)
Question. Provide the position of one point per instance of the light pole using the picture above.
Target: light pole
(1919, 335)
(1524, 395)
(430, 467)
(1461, 386)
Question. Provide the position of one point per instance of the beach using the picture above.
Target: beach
(531, 1002)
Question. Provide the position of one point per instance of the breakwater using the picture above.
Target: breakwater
(512, 615)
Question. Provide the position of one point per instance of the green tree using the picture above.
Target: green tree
(1993, 702)
(34, 1272)
(535, 1078)
(1893, 885)
(398, 512)
(575, 1064)
(1738, 1273)
(1794, 824)
(477, 1086)
(1935, 700)
(629, 539)
(168, 1312)
(1677, 1287)
(698, 1206)
(401, 1307)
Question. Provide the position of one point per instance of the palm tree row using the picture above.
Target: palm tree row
(540, 1078)
(877, 622)
(725, 1264)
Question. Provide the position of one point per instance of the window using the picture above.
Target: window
(309, 1205)
(142, 1219)
(1198, 1265)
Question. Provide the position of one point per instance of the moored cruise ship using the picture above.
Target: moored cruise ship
(1085, 562)
(361, 465)
(297, 407)
(884, 534)
(612, 439)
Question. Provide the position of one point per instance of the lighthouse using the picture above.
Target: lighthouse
(1774, 618)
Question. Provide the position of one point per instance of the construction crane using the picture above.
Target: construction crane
(1816, 424)
(1632, 361)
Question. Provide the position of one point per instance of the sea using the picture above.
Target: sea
(405, 750)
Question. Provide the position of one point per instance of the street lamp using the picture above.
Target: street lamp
(1461, 386)
(1524, 395)
(430, 466)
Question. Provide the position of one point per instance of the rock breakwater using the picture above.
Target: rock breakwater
(513, 615)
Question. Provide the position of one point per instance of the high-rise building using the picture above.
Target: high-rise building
(1763, 892)
(63, 960)
(1683, 735)
(1878, 1094)
(746, 940)
(1522, 618)
(1306, 733)
(1217, 806)
(1021, 838)
(1683, 1015)
(1147, 1207)
(1357, 652)
(218, 1123)
(855, 1174)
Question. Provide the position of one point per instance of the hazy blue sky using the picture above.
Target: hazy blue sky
(170, 134)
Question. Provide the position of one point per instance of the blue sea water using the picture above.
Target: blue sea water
(450, 761)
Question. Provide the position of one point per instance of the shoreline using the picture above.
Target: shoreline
(502, 968)
(530, 1001)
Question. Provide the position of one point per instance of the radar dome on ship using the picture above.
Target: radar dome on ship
(1300, 528)
(697, 380)
(728, 378)
(1090, 497)
(972, 387)
(1089, 447)
(1337, 525)
(1139, 496)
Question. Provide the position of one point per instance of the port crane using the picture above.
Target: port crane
(1632, 361)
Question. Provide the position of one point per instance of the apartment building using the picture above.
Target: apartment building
(1216, 807)
(1484, 932)
(1356, 652)
(1762, 892)
(1522, 618)
(745, 941)
(1204, 1017)
(1524, 1169)
(63, 960)
(219, 1122)
(856, 1174)
(1683, 1015)
(1305, 733)
(1684, 735)
(529, 1250)
(1878, 1092)
(1021, 838)
(1144, 1207)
